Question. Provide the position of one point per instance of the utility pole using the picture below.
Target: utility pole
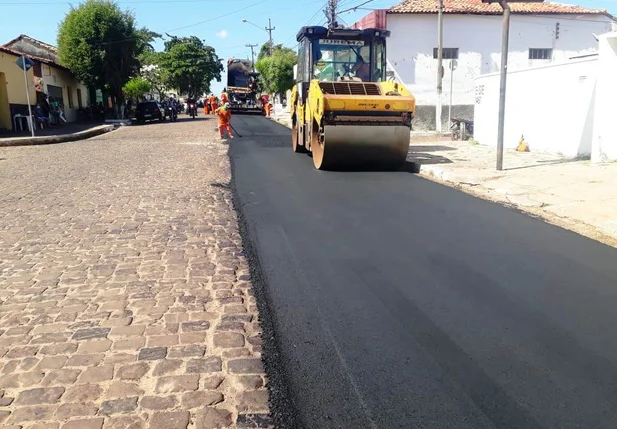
(505, 36)
(252, 55)
(330, 13)
(439, 66)
(269, 29)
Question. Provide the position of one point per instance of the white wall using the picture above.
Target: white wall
(605, 132)
(478, 37)
(552, 106)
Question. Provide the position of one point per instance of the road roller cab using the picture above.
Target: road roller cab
(344, 111)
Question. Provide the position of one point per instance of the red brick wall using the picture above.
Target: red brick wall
(375, 19)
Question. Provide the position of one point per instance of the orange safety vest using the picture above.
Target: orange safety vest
(224, 116)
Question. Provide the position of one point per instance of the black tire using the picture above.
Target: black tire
(295, 137)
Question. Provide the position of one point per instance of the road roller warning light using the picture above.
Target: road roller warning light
(343, 109)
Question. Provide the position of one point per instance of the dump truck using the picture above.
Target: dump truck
(242, 86)
(344, 111)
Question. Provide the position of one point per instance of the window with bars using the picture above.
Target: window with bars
(447, 53)
(540, 54)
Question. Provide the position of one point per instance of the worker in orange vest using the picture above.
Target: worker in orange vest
(224, 97)
(224, 117)
(213, 103)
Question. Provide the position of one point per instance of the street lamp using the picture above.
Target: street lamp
(267, 29)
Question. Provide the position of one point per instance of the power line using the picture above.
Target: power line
(307, 23)
(351, 9)
(218, 17)
(182, 28)
(120, 2)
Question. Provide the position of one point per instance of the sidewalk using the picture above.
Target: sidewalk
(573, 194)
(56, 134)
(282, 116)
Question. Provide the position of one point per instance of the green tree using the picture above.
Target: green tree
(137, 87)
(145, 40)
(99, 43)
(190, 65)
(153, 71)
(276, 71)
(264, 51)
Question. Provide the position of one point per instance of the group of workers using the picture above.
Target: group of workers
(224, 113)
(211, 103)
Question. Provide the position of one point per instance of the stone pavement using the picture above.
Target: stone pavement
(575, 194)
(125, 298)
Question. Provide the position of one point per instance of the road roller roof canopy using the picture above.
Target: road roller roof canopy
(316, 32)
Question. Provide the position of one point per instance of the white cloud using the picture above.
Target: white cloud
(222, 34)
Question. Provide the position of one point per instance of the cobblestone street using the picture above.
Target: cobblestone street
(125, 298)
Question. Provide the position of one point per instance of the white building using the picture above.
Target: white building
(539, 33)
(564, 108)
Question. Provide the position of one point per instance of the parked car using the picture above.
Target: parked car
(148, 111)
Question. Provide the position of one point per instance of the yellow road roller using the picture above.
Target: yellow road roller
(343, 109)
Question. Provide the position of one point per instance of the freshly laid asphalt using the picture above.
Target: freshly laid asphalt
(390, 301)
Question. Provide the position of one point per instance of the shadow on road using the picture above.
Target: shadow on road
(427, 158)
(134, 121)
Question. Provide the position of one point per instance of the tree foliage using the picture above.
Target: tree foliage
(190, 65)
(100, 44)
(264, 51)
(153, 71)
(137, 87)
(276, 71)
(145, 40)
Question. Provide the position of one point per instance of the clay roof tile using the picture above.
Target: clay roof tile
(479, 8)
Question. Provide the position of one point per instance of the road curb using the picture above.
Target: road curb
(283, 122)
(81, 135)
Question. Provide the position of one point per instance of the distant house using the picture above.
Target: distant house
(539, 33)
(49, 77)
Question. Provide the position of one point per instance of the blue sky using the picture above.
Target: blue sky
(219, 22)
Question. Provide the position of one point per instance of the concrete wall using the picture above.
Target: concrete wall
(13, 96)
(552, 106)
(5, 111)
(478, 37)
(604, 143)
(16, 87)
